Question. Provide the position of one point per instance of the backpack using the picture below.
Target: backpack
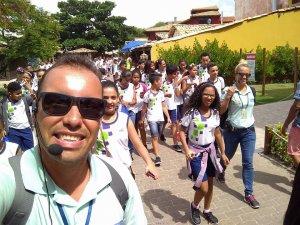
(224, 116)
(23, 201)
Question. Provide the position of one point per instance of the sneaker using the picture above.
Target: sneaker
(177, 148)
(250, 199)
(162, 137)
(195, 215)
(157, 161)
(210, 218)
(221, 177)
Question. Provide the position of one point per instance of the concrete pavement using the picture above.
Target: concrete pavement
(167, 200)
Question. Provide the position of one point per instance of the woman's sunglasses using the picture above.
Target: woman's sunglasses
(55, 104)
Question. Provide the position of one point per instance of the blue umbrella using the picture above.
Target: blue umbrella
(131, 45)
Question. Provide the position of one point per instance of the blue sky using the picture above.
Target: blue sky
(146, 13)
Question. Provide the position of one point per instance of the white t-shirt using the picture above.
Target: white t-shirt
(203, 73)
(17, 117)
(201, 130)
(127, 96)
(115, 135)
(169, 88)
(178, 99)
(219, 84)
(139, 101)
(191, 89)
(163, 74)
(154, 105)
(9, 149)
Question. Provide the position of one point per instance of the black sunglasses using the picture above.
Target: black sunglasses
(55, 104)
(244, 74)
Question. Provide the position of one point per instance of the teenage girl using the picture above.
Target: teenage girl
(161, 66)
(191, 82)
(115, 129)
(140, 90)
(149, 69)
(201, 121)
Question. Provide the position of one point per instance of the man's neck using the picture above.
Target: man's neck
(72, 177)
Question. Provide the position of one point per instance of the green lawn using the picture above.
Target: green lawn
(274, 93)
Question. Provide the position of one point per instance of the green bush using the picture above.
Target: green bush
(282, 58)
(279, 145)
(279, 62)
(225, 58)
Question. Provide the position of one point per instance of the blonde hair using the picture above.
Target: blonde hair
(242, 63)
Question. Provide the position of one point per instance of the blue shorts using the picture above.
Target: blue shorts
(155, 128)
(179, 112)
(138, 116)
(196, 167)
(172, 114)
(22, 137)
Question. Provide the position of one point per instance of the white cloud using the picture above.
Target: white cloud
(144, 14)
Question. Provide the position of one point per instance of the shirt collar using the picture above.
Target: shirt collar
(33, 178)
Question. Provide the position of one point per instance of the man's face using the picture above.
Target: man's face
(72, 131)
(204, 61)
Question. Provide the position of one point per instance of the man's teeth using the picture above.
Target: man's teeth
(69, 138)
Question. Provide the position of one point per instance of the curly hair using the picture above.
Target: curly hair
(195, 101)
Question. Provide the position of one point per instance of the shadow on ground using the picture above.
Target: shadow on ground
(272, 180)
(167, 203)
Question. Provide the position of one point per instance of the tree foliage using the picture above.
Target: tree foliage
(27, 32)
(225, 58)
(91, 25)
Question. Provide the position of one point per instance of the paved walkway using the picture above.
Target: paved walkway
(167, 200)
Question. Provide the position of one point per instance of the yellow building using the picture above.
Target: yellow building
(268, 30)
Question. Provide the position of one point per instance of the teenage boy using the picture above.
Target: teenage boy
(155, 107)
(170, 89)
(202, 67)
(214, 79)
(17, 117)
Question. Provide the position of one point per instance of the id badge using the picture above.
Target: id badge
(244, 114)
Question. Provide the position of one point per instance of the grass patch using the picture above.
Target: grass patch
(274, 93)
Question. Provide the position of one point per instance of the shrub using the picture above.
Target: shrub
(279, 145)
(225, 58)
(282, 58)
(279, 62)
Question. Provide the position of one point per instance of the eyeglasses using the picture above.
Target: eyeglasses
(55, 104)
(244, 74)
(208, 95)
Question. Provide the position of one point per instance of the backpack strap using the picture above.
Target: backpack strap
(23, 201)
(117, 185)
(253, 92)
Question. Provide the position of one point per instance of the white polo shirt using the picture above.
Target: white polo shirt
(106, 208)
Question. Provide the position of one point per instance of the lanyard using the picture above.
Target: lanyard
(63, 216)
(242, 101)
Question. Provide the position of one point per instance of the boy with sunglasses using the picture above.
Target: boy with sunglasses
(17, 117)
(70, 184)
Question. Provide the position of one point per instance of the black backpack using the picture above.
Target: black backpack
(23, 200)
(224, 116)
